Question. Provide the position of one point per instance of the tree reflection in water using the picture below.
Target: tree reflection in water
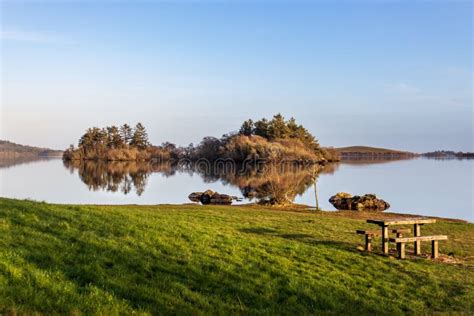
(123, 176)
(266, 183)
(271, 183)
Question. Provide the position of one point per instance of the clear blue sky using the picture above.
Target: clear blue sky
(392, 74)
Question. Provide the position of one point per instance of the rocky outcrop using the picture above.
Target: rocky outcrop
(367, 202)
(211, 197)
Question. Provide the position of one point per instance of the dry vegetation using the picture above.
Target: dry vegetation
(241, 148)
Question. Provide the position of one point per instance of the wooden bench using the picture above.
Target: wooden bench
(416, 222)
(400, 231)
(369, 234)
(434, 244)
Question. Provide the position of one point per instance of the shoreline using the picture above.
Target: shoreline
(295, 208)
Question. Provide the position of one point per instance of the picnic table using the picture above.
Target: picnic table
(417, 222)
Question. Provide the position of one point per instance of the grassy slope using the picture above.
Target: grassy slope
(191, 259)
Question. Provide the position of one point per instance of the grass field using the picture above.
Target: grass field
(187, 259)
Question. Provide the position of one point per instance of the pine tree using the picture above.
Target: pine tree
(247, 128)
(114, 139)
(100, 137)
(261, 128)
(86, 140)
(126, 133)
(277, 127)
(292, 128)
(140, 137)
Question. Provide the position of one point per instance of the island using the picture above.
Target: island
(270, 141)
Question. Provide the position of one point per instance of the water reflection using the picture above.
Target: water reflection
(266, 184)
(117, 176)
(8, 162)
(395, 181)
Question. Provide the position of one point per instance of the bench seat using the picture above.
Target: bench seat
(419, 238)
(434, 244)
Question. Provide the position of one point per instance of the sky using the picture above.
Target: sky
(393, 74)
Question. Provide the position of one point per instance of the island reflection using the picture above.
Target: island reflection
(265, 184)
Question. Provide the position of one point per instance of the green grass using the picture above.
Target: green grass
(228, 260)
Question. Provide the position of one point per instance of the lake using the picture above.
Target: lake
(442, 188)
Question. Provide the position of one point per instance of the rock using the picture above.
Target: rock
(343, 195)
(195, 197)
(211, 197)
(368, 202)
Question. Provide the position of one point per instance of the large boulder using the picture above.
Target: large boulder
(211, 197)
(367, 202)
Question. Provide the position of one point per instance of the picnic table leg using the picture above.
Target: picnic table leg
(417, 233)
(434, 249)
(368, 243)
(385, 239)
(401, 250)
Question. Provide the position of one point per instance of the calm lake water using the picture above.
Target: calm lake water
(441, 188)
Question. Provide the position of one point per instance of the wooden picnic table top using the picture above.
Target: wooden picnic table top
(402, 221)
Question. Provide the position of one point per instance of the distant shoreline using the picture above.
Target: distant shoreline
(376, 153)
(10, 150)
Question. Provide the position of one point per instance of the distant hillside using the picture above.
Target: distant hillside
(12, 150)
(365, 152)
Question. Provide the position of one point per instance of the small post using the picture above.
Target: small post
(417, 233)
(316, 194)
(434, 249)
(368, 243)
(385, 239)
(401, 250)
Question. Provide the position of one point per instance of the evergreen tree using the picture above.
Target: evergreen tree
(126, 133)
(247, 128)
(114, 139)
(140, 137)
(94, 137)
(86, 140)
(292, 128)
(277, 127)
(261, 128)
(100, 137)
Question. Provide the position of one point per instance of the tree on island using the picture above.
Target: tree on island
(113, 143)
(93, 138)
(247, 128)
(114, 139)
(272, 140)
(278, 128)
(261, 128)
(126, 133)
(140, 137)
